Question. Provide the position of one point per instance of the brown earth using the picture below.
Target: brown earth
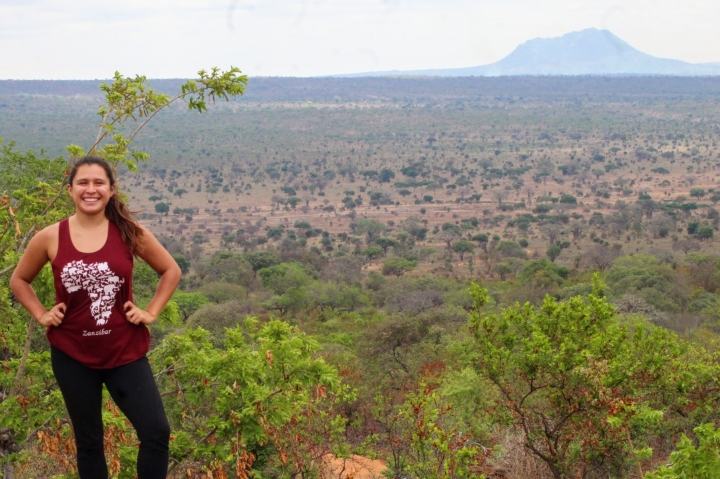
(355, 467)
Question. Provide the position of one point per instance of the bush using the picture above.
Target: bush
(542, 209)
(337, 296)
(188, 303)
(219, 292)
(543, 270)
(281, 277)
(704, 233)
(688, 461)
(568, 199)
(590, 368)
(512, 249)
(216, 317)
(231, 269)
(398, 266)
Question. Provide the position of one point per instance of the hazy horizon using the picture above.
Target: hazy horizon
(46, 39)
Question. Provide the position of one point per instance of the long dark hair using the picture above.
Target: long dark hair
(116, 210)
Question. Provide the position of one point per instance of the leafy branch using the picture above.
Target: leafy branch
(132, 99)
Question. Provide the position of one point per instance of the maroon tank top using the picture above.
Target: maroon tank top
(94, 287)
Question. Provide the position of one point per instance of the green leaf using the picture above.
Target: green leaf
(75, 151)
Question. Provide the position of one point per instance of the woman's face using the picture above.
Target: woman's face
(91, 189)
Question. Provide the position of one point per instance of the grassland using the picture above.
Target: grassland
(490, 156)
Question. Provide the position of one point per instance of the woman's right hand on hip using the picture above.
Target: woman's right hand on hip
(53, 317)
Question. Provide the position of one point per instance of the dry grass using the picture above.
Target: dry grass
(39, 466)
(516, 462)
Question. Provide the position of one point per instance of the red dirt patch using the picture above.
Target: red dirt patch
(355, 467)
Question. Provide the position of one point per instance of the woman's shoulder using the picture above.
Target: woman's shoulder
(45, 242)
(49, 233)
(145, 234)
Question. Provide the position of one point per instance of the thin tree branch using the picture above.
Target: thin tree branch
(169, 368)
(102, 133)
(23, 360)
(8, 269)
(174, 391)
(153, 114)
(29, 436)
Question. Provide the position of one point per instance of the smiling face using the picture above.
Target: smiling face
(90, 189)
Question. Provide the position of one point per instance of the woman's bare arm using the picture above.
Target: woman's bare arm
(154, 254)
(32, 261)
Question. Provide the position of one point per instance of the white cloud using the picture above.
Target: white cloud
(84, 39)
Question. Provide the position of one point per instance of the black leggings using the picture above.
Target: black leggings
(132, 387)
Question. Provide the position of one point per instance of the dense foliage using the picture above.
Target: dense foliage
(444, 344)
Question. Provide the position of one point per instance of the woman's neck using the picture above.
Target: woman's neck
(89, 221)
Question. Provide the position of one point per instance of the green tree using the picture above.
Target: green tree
(398, 266)
(424, 445)
(162, 208)
(275, 232)
(32, 196)
(227, 401)
(503, 269)
(511, 249)
(261, 259)
(704, 233)
(293, 201)
(544, 268)
(215, 317)
(482, 240)
(569, 199)
(188, 303)
(337, 296)
(372, 252)
(574, 381)
(463, 246)
(182, 262)
(697, 192)
(386, 243)
(228, 267)
(386, 175)
(220, 292)
(553, 252)
(292, 300)
(288, 190)
(414, 227)
(370, 227)
(644, 276)
(281, 277)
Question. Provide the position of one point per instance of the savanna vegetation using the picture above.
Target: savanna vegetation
(461, 277)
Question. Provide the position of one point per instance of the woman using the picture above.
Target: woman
(97, 334)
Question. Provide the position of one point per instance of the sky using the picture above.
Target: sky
(84, 39)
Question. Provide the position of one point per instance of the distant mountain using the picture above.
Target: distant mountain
(587, 52)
